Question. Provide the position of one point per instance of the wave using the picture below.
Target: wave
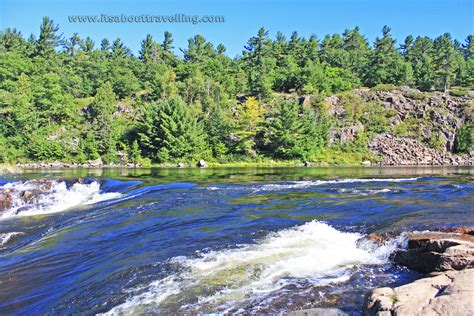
(5, 237)
(310, 183)
(314, 251)
(363, 191)
(30, 198)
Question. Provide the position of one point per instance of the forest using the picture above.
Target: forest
(74, 100)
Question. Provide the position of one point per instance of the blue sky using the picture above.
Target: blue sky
(243, 18)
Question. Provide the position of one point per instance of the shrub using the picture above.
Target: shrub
(464, 137)
(384, 87)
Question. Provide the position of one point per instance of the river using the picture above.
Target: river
(224, 240)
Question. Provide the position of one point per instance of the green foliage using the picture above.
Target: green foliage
(70, 99)
(167, 132)
(464, 138)
(286, 134)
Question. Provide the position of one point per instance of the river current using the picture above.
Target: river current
(203, 241)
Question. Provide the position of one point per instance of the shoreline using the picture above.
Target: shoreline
(10, 168)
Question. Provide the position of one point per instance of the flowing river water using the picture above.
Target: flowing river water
(202, 241)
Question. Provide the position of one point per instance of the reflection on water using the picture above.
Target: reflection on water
(266, 240)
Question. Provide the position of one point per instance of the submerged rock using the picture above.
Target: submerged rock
(318, 312)
(5, 199)
(429, 252)
(449, 293)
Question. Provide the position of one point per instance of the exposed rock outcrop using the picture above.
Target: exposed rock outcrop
(421, 128)
(428, 252)
(91, 164)
(410, 151)
(449, 293)
(447, 289)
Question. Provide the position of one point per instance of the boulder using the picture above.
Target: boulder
(96, 163)
(5, 199)
(202, 164)
(448, 293)
(318, 312)
(429, 252)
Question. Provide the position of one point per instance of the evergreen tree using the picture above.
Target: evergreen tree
(259, 64)
(48, 39)
(386, 65)
(102, 109)
(168, 132)
(119, 50)
(420, 56)
(146, 49)
(446, 60)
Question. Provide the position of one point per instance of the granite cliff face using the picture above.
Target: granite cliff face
(404, 126)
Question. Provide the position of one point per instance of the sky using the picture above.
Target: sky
(243, 18)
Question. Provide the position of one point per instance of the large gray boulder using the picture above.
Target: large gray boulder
(449, 293)
(428, 252)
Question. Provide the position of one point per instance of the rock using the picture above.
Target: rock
(96, 163)
(202, 164)
(381, 238)
(318, 312)
(343, 135)
(29, 195)
(5, 199)
(410, 151)
(429, 252)
(323, 164)
(449, 293)
(180, 165)
(366, 163)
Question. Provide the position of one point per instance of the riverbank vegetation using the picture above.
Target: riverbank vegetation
(74, 100)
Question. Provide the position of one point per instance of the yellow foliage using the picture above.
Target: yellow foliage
(251, 113)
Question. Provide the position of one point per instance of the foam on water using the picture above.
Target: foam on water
(5, 237)
(223, 279)
(58, 198)
(310, 183)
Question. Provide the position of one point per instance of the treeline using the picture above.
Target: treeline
(72, 99)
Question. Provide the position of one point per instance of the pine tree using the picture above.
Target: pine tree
(420, 56)
(260, 64)
(386, 64)
(119, 50)
(48, 39)
(446, 61)
(147, 46)
(168, 132)
(102, 109)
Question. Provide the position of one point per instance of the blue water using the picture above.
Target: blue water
(203, 241)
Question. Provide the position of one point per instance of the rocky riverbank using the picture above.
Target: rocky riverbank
(402, 151)
(409, 127)
(98, 163)
(447, 259)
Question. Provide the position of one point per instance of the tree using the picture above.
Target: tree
(146, 49)
(259, 64)
(101, 116)
(284, 133)
(357, 51)
(72, 43)
(168, 132)
(420, 56)
(87, 45)
(48, 39)
(247, 125)
(293, 132)
(445, 60)
(119, 50)
(386, 65)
